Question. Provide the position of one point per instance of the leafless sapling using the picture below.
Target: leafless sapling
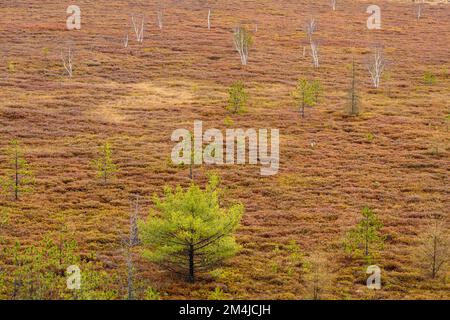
(434, 251)
(209, 19)
(134, 213)
(138, 29)
(419, 7)
(333, 4)
(160, 19)
(376, 65)
(130, 269)
(68, 61)
(125, 41)
(315, 52)
(242, 42)
(311, 27)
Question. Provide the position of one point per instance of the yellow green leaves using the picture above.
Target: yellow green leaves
(189, 231)
(104, 163)
(306, 94)
(237, 100)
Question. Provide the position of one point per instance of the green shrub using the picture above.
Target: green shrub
(429, 78)
(237, 100)
(365, 239)
(217, 294)
(306, 94)
(104, 163)
(152, 294)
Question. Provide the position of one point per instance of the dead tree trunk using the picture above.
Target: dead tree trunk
(314, 44)
(333, 4)
(130, 286)
(376, 66)
(242, 43)
(209, 19)
(138, 30)
(134, 214)
(160, 17)
(68, 62)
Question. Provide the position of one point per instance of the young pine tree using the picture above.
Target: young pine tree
(237, 100)
(19, 178)
(104, 164)
(365, 239)
(306, 94)
(190, 232)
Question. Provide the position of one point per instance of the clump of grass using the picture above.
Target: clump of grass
(4, 217)
(11, 66)
(228, 122)
(217, 294)
(370, 137)
(152, 294)
(429, 78)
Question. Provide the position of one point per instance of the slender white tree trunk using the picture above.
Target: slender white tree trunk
(314, 44)
(160, 17)
(333, 4)
(68, 62)
(209, 19)
(376, 66)
(138, 30)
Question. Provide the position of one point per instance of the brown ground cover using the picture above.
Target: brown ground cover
(136, 97)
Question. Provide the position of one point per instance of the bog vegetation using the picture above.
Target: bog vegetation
(86, 118)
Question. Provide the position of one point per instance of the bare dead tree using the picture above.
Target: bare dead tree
(126, 249)
(134, 214)
(315, 52)
(68, 61)
(434, 251)
(125, 41)
(333, 4)
(376, 65)
(209, 19)
(311, 27)
(419, 7)
(130, 269)
(160, 19)
(138, 29)
(242, 42)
